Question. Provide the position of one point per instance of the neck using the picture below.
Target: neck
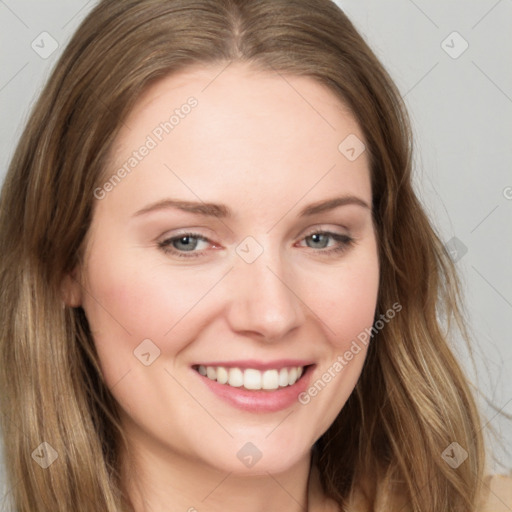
(158, 483)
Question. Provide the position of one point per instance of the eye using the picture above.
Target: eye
(321, 238)
(182, 244)
(185, 244)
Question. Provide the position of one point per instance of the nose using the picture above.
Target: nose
(266, 300)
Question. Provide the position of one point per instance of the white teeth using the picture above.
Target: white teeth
(222, 375)
(251, 378)
(236, 377)
(270, 379)
(283, 377)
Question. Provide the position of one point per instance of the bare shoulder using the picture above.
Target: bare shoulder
(499, 494)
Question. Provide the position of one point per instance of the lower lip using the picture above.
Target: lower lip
(259, 400)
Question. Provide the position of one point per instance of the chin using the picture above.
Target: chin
(247, 455)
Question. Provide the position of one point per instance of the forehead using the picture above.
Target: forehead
(249, 130)
(237, 83)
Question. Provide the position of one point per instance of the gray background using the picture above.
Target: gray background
(461, 108)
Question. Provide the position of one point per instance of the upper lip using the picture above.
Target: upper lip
(259, 365)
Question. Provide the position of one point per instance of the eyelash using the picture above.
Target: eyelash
(345, 240)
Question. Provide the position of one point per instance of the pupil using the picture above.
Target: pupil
(185, 240)
(317, 237)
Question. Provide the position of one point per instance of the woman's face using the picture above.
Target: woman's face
(206, 255)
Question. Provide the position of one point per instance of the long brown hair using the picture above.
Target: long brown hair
(412, 400)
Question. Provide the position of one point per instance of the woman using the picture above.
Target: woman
(171, 336)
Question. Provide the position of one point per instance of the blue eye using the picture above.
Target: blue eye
(344, 241)
(186, 240)
(185, 245)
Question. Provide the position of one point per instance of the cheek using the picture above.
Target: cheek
(140, 292)
(347, 309)
(348, 301)
(130, 300)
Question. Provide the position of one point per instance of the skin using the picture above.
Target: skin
(266, 151)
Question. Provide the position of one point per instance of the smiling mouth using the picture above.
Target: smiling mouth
(253, 379)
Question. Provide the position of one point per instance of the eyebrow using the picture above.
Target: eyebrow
(221, 211)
